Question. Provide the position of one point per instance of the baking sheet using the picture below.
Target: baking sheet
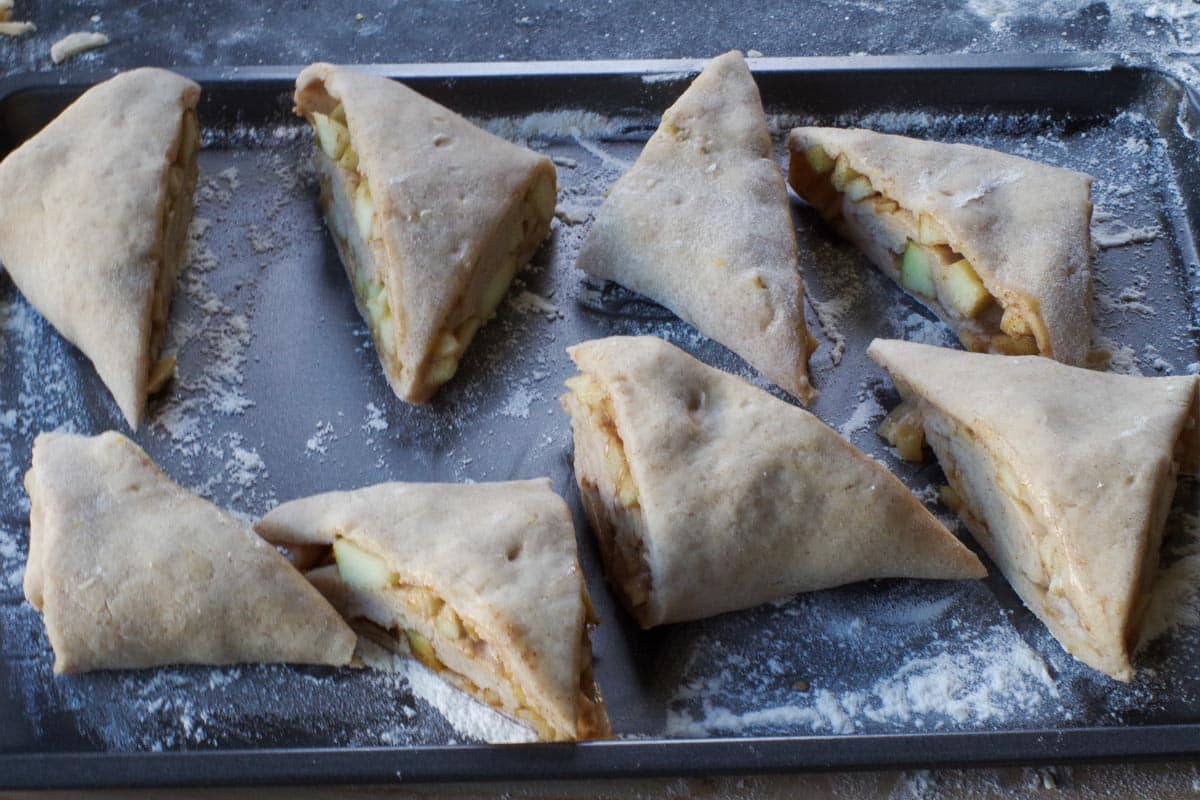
(279, 395)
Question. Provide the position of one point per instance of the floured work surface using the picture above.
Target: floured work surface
(279, 395)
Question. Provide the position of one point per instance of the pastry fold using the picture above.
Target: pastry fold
(997, 246)
(1064, 475)
(709, 495)
(480, 582)
(701, 224)
(94, 212)
(432, 217)
(130, 570)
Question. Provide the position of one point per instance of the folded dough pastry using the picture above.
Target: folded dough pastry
(701, 223)
(130, 570)
(480, 582)
(1064, 475)
(708, 495)
(431, 215)
(94, 212)
(996, 245)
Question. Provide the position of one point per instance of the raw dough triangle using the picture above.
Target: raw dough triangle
(431, 215)
(130, 570)
(1023, 229)
(708, 495)
(94, 212)
(482, 580)
(701, 223)
(1064, 475)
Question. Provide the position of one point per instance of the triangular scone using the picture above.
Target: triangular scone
(94, 212)
(701, 223)
(481, 583)
(707, 494)
(130, 570)
(996, 245)
(431, 215)
(1064, 475)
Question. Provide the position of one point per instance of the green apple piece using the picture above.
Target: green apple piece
(364, 209)
(858, 189)
(818, 159)
(333, 137)
(843, 173)
(359, 569)
(930, 231)
(422, 649)
(960, 290)
(339, 114)
(917, 269)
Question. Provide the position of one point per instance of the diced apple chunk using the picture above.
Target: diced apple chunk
(448, 624)
(902, 429)
(858, 189)
(364, 209)
(162, 373)
(1013, 322)
(930, 231)
(818, 159)
(333, 137)
(843, 173)
(359, 569)
(960, 290)
(918, 268)
(422, 649)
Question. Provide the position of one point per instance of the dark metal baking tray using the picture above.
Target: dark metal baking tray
(279, 395)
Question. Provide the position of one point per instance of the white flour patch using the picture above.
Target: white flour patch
(995, 678)
(469, 718)
(526, 302)
(376, 422)
(1110, 231)
(318, 443)
(865, 414)
(1177, 588)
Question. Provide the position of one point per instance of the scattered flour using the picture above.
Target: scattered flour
(376, 422)
(319, 441)
(1109, 231)
(996, 679)
(469, 718)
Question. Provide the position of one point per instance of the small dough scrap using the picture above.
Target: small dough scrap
(75, 43)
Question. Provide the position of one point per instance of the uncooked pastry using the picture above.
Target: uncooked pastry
(94, 212)
(131, 570)
(701, 223)
(480, 582)
(1064, 475)
(707, 494)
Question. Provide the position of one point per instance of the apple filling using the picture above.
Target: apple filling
(915, 250)
(175, 216)
(352, 215)
(453, 647)
(609, 493)
(350, 211)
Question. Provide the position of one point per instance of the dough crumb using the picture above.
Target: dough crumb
(16, 28)
(8, 27)
(75, 43)
(753, 54)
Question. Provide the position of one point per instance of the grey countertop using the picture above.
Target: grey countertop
(227, 32)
